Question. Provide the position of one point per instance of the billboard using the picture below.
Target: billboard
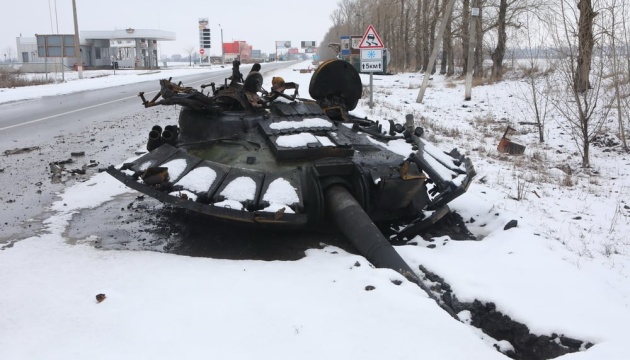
(308, 44)
(355, 43)
(55, 45)
(345, 45)
(283, 44)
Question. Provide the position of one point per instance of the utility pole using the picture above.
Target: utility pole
(222, 50)
(474, 15)
(77, 46)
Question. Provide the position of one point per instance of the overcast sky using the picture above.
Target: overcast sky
(260, 23)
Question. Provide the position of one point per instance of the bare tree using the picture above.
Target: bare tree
(465, 34)
(338, 21)
(347, 13)
(190, 50)
(584, 110)
(509, 14)
(625, 13)
(585, 45)
(329, 45)
(404, 26)
(617, 65)
(499, 52)
(420, 39)
(536, 93)
(478, 64)
(8, 54)
(447, 65)
(427, 34)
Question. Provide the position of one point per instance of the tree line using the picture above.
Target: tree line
(575, 54)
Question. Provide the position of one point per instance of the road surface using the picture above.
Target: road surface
(83, 131)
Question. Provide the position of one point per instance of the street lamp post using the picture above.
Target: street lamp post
(222, 50)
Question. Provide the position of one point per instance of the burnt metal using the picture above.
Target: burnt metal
(507, 146)
(302, 164)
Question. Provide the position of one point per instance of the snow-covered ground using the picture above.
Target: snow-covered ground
(563, 270)
(94, 79)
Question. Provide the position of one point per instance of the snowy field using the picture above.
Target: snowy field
(562, 272)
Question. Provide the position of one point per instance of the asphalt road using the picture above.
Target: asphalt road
(82, 132)
(63, 113)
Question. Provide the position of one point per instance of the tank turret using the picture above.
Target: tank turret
(268, 159)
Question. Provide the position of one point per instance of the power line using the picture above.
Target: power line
(56, 18)
(50, 14)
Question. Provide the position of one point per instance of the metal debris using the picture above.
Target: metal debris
(21, 150)
(57, 169)
(100, 298)
(507, 146)
(155, 175)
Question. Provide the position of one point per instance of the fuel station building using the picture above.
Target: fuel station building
(127, 49)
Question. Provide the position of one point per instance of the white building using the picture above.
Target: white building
(129, 48)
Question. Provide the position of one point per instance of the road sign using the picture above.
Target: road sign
(201, 51)
(371, 60)
(372, 66)
(371, 54)
(345, 45)
(371, 40)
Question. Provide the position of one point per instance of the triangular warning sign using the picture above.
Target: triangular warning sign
(371, 40)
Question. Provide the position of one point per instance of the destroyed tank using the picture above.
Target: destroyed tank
(269, 159)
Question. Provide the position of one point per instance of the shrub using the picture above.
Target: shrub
(16, 79)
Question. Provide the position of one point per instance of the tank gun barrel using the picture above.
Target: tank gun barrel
(359, 229)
